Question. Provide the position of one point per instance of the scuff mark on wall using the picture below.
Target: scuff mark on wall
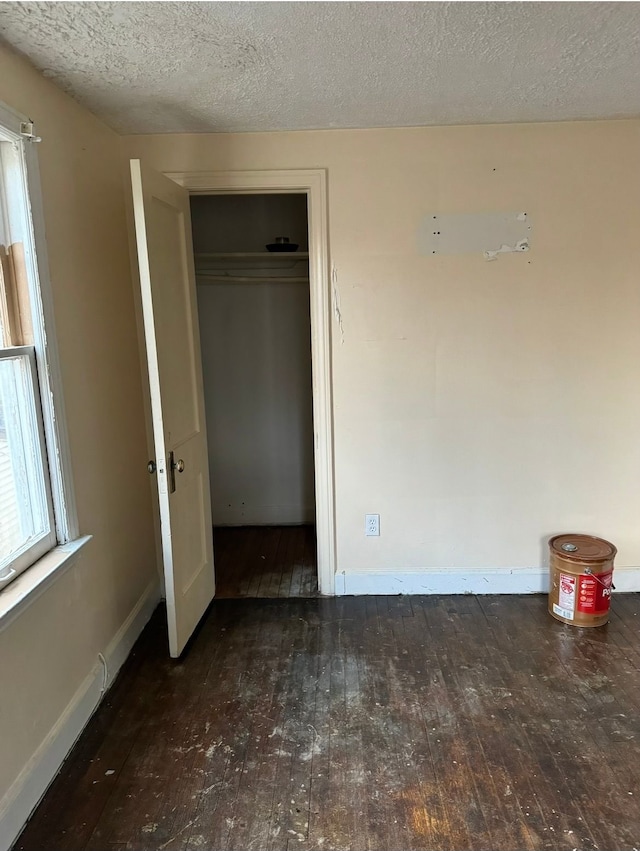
(489, 234)
(336, 302)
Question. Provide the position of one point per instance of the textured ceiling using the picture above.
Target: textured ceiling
(193, 67)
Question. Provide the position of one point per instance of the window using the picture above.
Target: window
(34, 491)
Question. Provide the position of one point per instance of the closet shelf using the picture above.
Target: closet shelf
(209, 277)
(255, 255)
(251, 266)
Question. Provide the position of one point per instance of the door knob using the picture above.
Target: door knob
(151, 467)
(179, 465)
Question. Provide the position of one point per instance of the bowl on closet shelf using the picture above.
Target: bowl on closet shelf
(282, 244)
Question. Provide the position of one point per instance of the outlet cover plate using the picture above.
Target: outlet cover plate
(372, 525)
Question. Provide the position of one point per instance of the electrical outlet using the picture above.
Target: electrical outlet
(371, 524)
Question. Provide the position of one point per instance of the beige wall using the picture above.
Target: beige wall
(46, 654)
(479, 406)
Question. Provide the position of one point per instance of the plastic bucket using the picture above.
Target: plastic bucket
(580, 579)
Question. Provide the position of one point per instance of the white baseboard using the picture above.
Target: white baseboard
(34, 779)
(121, 644)
(517, 580)
(626, 579)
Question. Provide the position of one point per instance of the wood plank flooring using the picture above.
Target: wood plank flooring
(379, 723)
(265, 561)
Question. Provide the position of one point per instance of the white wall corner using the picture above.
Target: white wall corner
(33, 781)
(516, 580)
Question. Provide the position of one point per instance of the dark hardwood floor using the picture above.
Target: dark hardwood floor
(381, 723)
(265, 561)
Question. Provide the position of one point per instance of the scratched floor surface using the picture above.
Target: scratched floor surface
(381, 723)
(265, 561)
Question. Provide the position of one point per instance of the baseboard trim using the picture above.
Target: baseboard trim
(34, 779)
(517, 580)
(121, 644)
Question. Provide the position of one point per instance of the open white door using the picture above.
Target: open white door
(167, 283)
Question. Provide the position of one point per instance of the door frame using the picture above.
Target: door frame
(312, 183)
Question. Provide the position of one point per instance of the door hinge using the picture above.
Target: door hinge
(26, 131)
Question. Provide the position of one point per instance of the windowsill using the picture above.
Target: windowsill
(24, 590)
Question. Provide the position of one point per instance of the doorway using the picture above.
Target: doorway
(251, 254)
(177, 421)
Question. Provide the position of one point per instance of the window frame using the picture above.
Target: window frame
(34, 548)
(57, 458)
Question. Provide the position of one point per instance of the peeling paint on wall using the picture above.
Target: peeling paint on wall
(521, 245)
(489, 234)
(336, 302)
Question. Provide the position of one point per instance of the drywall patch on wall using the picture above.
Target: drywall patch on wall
(489, 234)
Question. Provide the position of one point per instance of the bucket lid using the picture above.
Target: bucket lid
(582, 547)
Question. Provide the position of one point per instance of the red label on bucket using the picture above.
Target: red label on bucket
(594, 593)
(567, 595)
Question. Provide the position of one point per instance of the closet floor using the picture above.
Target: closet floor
(265, 561)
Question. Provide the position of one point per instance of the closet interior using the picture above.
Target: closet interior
(255, 337)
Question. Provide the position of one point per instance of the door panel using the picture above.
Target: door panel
(167, 283)
(169, 270)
